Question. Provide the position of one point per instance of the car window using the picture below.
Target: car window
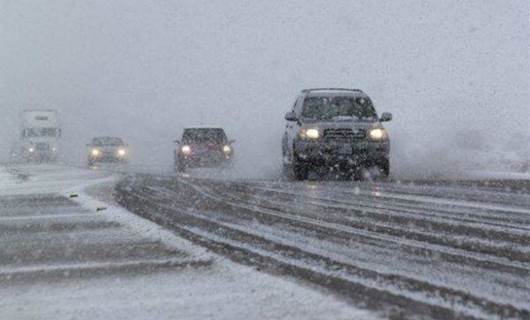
(204, 136)
(107, 141)
(336, 108)
(298, 105)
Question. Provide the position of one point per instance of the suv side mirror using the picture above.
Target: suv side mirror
(231, 141)
(291, 116)
(177, 141)
(385, 116)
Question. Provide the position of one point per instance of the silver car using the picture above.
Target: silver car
(107, 149)
(335, 129)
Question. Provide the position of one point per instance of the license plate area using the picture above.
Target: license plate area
(344, 149)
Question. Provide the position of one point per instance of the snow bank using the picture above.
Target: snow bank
(7, 180)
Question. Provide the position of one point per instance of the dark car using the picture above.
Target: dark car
(107, 149)
(203, 147)
(335, 129)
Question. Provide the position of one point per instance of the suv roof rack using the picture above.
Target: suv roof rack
(331, 89)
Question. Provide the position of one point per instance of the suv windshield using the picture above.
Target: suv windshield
(204, 136)
(338, 108)
(107, 141)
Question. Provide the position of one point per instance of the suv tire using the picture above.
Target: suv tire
(384, 167)
(300, 170)
(180, 167)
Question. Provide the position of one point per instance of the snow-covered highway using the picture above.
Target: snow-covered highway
(448, 252)
(68, 252)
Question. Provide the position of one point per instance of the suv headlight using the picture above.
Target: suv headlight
(95, 152)
(378, 134)
(122, 152)
(310, 133)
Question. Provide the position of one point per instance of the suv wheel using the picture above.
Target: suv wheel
(286, 171)
(180, 167)
(300, 171)
(384, 167)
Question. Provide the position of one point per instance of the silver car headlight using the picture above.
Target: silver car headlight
(95, 152)
(122, 152)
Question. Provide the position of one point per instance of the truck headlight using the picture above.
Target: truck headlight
(31, 150)
(227, 149)
(186, 150)
(311, 133)
(95, 152)
(122, 152)
(378, 134)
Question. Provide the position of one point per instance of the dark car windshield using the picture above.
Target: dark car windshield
(204, 135)
(107, 141)
(338, 108)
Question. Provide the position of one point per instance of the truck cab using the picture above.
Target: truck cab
(39, 136)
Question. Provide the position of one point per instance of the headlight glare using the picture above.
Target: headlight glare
(378, 134)
(122, 152)
(186, 149)
(227, 149)
(311, 133)
(95, 152)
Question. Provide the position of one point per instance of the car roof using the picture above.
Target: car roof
(319, 92)
(106, 137)
(203, 127)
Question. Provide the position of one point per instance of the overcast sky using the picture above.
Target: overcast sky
(143, 69)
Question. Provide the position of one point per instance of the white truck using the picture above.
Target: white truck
(39, 136)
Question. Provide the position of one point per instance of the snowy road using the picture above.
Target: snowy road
(69, 252)
(432, 251)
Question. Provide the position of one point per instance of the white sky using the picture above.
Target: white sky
(143, 69)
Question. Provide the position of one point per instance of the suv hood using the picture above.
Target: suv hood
(108, 148)
(355, 125)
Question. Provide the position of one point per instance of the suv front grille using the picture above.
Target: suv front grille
(343, 135)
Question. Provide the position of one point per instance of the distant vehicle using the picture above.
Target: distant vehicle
(203, 147)
(107, 149)
(39, 136)
(335, 129)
